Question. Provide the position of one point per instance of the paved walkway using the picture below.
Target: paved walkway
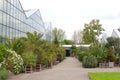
(69, 69)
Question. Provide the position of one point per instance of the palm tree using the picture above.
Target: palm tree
(32, 41)
(16, 44)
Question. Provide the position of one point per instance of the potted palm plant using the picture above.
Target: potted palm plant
(40, 54)
(30, 60)
(51, 58)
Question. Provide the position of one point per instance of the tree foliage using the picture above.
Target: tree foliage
(114, 43)
(110, 55)
(16, 44)
(59, 35)
(33, 40)
(67, 42)
(77, 37)
(91, 30)
(2, 52)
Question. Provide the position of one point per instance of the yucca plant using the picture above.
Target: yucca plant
(99, 51)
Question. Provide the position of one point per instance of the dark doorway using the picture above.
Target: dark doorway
(67, 53)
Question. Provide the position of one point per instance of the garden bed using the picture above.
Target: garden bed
(104, 75)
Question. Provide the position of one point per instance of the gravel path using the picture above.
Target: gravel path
(69, 69)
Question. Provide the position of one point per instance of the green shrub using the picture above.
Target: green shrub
(81, 52)
(90, 61)
(13, 61)
(81, 55)
(2, 52)
(61, 54)
(3, 74)
(45, 61)
(40, 53)
(29, 59)
(59, 57)
(110, 55)
(99, 51)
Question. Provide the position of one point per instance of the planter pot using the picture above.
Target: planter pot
(44, 67)
(100, 65)
(103, 65)
(56, 62)
(111, 64)
(38, 67)
(28, 69)
(50, 64)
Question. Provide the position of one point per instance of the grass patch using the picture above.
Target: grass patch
(104, 75)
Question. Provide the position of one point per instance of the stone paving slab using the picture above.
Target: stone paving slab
(69, 69)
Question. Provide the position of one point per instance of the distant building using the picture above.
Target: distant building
(104, 38)
(15, 22)
(116, 33)
(68, 48)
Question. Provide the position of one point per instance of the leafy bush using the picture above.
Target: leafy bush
(3, 74)
(45, 61)
(110, 55)
(81, 52)
(60, 54)
(81, 55)
(89, 61)
(16, 44)
(2, 52)
(40, 54)
(73, 49)
(13, 61)
(29, 59)
(99, 51)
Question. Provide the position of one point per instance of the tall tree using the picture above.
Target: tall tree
(77, 37)
(59, 35)
(91, 30)
(74, 37)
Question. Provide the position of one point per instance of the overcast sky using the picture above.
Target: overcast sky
(71, 15)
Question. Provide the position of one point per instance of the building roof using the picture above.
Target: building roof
(30, 12)
(104, 38)
(68, 46)
(117, 32)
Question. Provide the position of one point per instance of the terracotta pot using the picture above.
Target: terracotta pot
(28, 69)
(50, 64)
(111, 64)
(38, 67)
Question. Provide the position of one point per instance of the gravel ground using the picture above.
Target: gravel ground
(69, 69)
